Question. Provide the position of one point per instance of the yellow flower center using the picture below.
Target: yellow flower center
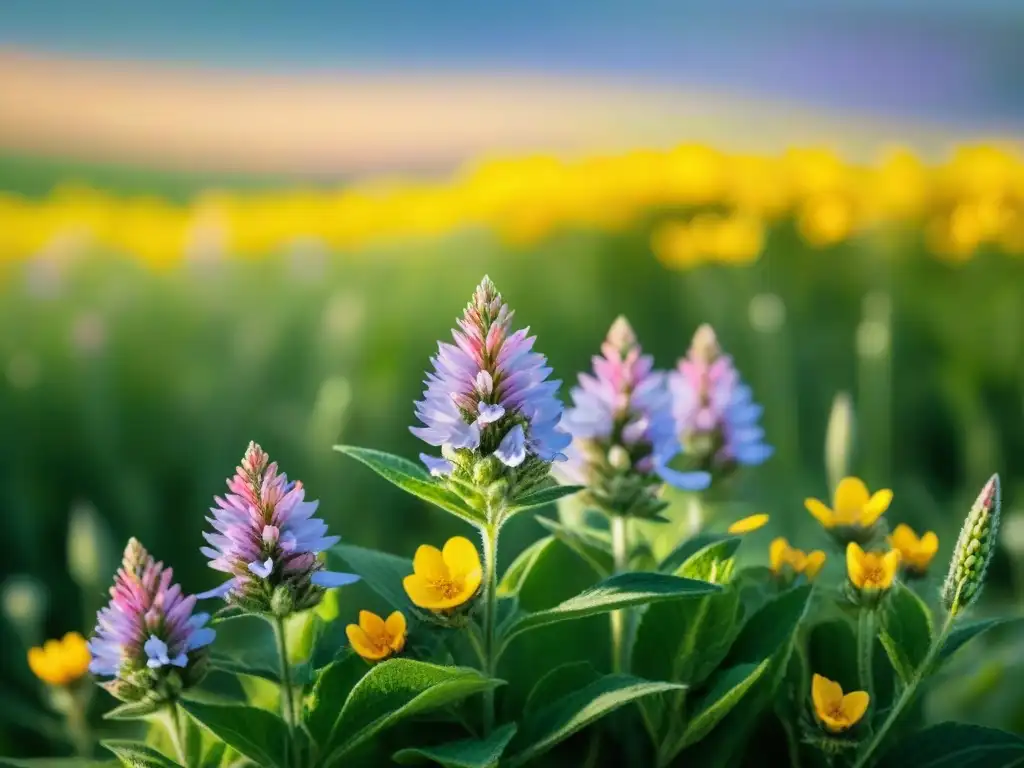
(874, 576)
(447, 587)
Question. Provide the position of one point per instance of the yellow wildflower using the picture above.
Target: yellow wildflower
(871, 570)
(749, 524)
(60, 662)
(916, 553)
(444, 579)
(834, 710)
(852, 505)
(782, 556)
(375, 639)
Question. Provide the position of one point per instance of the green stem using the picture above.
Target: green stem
(78, 722)
(620, 619)
(908, 693)
(287, 690)
(490, 649)
(179, 735)
(866, 650)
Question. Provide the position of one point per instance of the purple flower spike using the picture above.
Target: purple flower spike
(623, 432)
(267, 538)
(489, 395)
(716, 416)
(147, 637)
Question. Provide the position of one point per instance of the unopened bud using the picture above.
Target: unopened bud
(618, 457)
(974, 549)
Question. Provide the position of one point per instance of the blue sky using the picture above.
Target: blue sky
(948, 60)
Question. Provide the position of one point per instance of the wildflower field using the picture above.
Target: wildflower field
(712, 469)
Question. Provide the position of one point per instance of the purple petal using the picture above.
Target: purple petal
(512, 450)
(687, 481)
(221, 591)
(489, 413)
(329, 579)
(264, 569)
(437, 467)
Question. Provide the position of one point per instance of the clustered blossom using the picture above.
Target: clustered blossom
(489, 395)
(147, 638)
(623, 431)
(268, 540)
(716, 416)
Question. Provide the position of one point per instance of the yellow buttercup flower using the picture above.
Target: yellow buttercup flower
(60, 662)
(749, 524)
(871, 570)
(375, 639)
(782, 556)
(852, 505)
(834, 710)
(444, 579)
(915, 553)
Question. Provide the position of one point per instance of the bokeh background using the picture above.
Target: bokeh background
(225, 222)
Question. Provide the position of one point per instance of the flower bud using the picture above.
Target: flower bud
(974, 549)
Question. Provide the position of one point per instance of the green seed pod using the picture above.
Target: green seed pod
(973, 550)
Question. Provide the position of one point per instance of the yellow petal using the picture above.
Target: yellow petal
(855, 564)
(429, 563)
(825, 694)
(903, 537)
(461, 557)
(834, 724)
(855, 704)
(777, 552)
(38, 662)
(76, 656)
(851, 497)
(396, 629)
(814, 563)
(373, 626)
(748, 524)
(890, 565)
(362, 644)
(929, 544)
(823, 514)
(876, 507)
(421, 592)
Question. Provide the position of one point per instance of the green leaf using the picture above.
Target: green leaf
(136, 710)
(727, 688)
(139, 755)
(956, 745)
(413, 479)
(255, 733)
(559, 682)
(394, 690)
(905, 631)
(59, 762)
(771, 628)
(516, 573)
(467, 753)
(619, 591)
(214, 755)
(692, 548)
(595, 549)
(685, 641)
(963, 633)
(381, 571)
(565, 716)
(332, 687)
(544, 496)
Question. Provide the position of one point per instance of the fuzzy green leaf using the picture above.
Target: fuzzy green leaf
(543, 496)
(595, 549)
(467, 753)
(964, 633)
(60, 762)
(135, 710)
(905, 631)
(727, 688)
(139, 755)
(255, 733)
(412, 479)
(956, 745)
(620, 591)
(394, 690)
(693, 547)
(559, 682)
(381, 571)
(565, 716)
(332, 687)
(520, 568)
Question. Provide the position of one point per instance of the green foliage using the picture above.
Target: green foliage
(381, 571)
(965, 632)
(561, 718)
(725, 691)
(465, 753)
(139, 755)
(956, 745)
(906, 631)
(593, 546)
(254, 733)
(390, 692)
(543, 496)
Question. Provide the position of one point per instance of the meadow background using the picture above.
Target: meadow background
(170, 291)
